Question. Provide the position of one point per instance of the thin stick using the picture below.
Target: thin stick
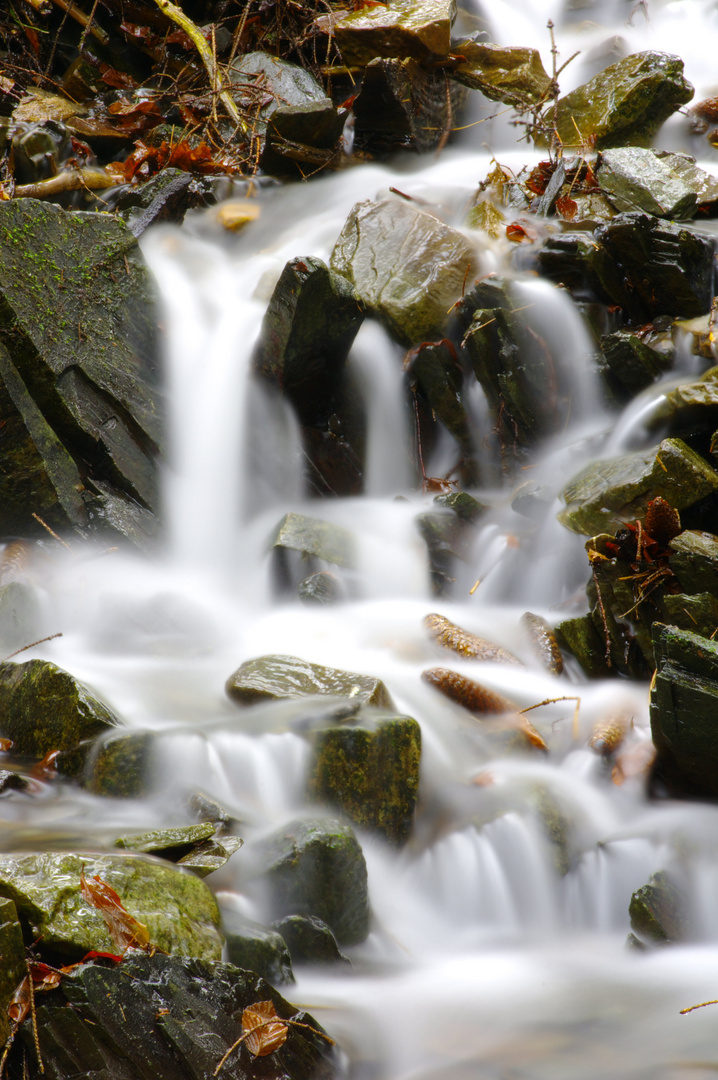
(52, 534)
(701, 1006)
(88, 178)
(33, 1016)
(84, 20)
(265, 1023)
(40, 641)
(552, 701)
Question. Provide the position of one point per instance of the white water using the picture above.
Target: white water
(483, 961)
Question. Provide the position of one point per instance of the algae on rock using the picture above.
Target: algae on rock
(268, 678)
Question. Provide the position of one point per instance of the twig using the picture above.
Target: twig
(67, 180)
(40, 641)
(51, 532)
(266, 1023)
(702, 1005)
(33, 1017)
(84, 20)
(200, 43)
(552, 701)
(85, 32)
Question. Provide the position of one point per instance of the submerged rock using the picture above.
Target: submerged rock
(309, 940)
(79, 369)
(406, 266)
(626, 103)
(313, 540)
(369, 769)
(116, 766)
(512, 74)
(317, 868)
(657, 910)
(256, 948)
(418, 28)
(637, 179)
(178, 909)
(447, 539)
(320, 588)
(268, 678)
(307, 332)
(165, 1017)
(608, 493)
(433, 370)
(44, 708)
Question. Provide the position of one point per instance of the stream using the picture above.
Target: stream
(483, 960)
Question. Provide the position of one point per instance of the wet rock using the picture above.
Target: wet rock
(178, 909)
(297, 123)
(44, 708)
(269, 678)
(621, 617)
(608, 493)
(12, 781)
(666, 268)
(632, 362)
(417, 28)
(20, 616)
(532, 500)
(701, 182)
(502, 73)
(637, 179)
(657, 910)
(307, 332)
(77, 320)
(369, 769)
(486, 217)
(581, 638)
(12, 969)
(698, 612)
(118, 767)
(320, 588)
(166, 197)
(256, 948)
(406, 266)
(585, 267)
(684, 699)
(626, 103)
(433, 370)
(309, 940)
(317, 868)
(690, 409)
(314, 539)
(164, 1017)
(543, 642)
(694, 561)
(404, 106)
(447, 539)
(465, 506)
(195, 847)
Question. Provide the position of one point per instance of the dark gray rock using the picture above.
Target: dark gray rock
(309, 940)
(633, 362)
(637, 179)
(658, 910)
(256, 948)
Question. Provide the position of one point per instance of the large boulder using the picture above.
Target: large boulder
(78, 373)
(272, 677)
(624, 104)
(418, 28)
(406, 266)
(513, 74)
(178, 910)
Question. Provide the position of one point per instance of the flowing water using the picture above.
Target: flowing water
(484, 960)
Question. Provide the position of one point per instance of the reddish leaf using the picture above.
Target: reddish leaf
(47, 768)
(262, 1029)
(520, 234)
(120, 80)
(44, 977)
(5, 745)
(125, 930)
(539, 177)
(566, 206)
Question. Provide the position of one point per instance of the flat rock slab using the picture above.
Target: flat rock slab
(314, 538)
(512, 74)
(609, 493)
(44, 708)
(165, 1018)
(418, 28)
(179, 911)
(271, 677)
(406, 266)
(637, 179)
(626, 103)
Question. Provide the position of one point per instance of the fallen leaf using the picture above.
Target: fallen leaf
(566, 206)
(125, 930)
(262, 1029)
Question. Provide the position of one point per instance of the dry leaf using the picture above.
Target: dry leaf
(262, 1029)
(126, 932)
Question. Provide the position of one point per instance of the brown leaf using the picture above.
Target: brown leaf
(20, 1002)
(566, 206)
(47, 768)
(263, 1030)
(125, 930)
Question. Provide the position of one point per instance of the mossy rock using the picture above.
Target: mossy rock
(272, 677)
(513, 74)
(632, 364)
(626, 103)
(697, 612)
(635, 178)
(318, 868)
(198, 848)
(44, 708)
(118, 766)
(178, 909)
(694, 561)
(418, 28)
(12, 954)
(657, 910)
(580, 637)
(370, 772)
(313, 538)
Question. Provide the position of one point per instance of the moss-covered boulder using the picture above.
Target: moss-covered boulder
(178, 909)
(684, 702)
(369, 771)
(309, 940)
(626, 103)
(12, 955)
(418, 28)
(406, 266)
(513, 74)
(79, 369)
(161, 1018)
(269, 678)
(318, 868)
(307, 332)
(658, 910)
(257, 948)
(118, 766)
(608, 493)
(44, 708)
(697, 612)
(582, 639)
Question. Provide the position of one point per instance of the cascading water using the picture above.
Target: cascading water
(486, 958)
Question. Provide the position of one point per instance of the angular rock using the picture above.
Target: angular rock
(695, 561)
(314, 539)
(165, 197)
(317, 868)
(406, 266)
(608, 493)
(704, 184)
(269, 678)
(12, 968)
(307, 332)
(621, 619)
(626, 103)
(320, 588)
(434, 371)
(369, 771)
(417, 28)
(532, 500)
(684, 700)
(198, 848)
(657, 910)
(692, 407)
(637, 179)
(404, 106)
(698, 612)
(164, 1018)
(447, 539)
(44, 708)
(256, 948)
(465, 506)
(309, 940)
(20, 616)
(581, 638)
(77, 319)
(512, 74)
(178, 909)
(585, 267)
(633, 362)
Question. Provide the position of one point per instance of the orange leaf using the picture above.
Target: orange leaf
(566, 206)
(19, 1006)
(263, 1030)
(126, 932)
